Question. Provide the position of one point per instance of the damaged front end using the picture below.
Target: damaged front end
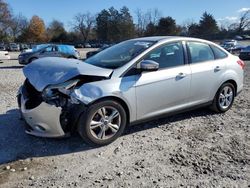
(54, 111)
(45, 99)
(46, 113)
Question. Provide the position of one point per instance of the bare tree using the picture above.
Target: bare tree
(155, 16)
(18, 24)
(83, 23)
(144, 18)
(5, 17)
(185, 26)
(244, 22)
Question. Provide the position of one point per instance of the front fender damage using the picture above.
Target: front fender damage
(55, 111)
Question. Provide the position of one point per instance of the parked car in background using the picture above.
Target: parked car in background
(234, 49)
(232, 46)
(91, 53)
(87, 45)
(245, 53)
(2, 47)
(237, 37)
(229, 42)
(48, 50)
(4, 55)
(130, 82)
(23, 47)
(79, 45)
(13, 47)
(246, 37)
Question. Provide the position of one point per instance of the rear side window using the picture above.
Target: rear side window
(66, 49)
(218, 53)
(200, 52)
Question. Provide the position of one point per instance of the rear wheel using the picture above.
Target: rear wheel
(224, 98)
(102, 123)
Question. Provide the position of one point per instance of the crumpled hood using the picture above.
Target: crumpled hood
(55, 70)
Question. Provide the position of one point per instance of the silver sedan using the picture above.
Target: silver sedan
(130, 82)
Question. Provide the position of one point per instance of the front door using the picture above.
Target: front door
(167, 89)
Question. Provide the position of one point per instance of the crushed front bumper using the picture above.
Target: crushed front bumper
(43, 120)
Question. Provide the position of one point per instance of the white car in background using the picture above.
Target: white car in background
(4, 55)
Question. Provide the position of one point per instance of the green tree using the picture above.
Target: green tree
(56, 32)
(127, 28)
(102, 25)
(208, 26)
(151, 29)
(167, 26)
(193, 30)
(113, 25)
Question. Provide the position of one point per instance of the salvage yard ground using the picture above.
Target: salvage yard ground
(198, 148)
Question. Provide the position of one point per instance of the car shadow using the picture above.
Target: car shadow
(15, 144)
(167, 119)
(12, 67)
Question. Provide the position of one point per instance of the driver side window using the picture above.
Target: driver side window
(168, 55)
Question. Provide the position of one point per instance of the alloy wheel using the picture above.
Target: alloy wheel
(105, 123)
(226, 97)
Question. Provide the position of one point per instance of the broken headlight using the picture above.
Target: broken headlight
(58, 94)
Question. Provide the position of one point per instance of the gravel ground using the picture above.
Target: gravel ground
(194, 149)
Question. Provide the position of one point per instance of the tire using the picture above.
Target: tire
(101, 114)
(32, 59)
(221, 104)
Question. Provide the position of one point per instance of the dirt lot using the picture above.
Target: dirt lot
(194, 149)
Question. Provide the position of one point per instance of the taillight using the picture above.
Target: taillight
(241, 63)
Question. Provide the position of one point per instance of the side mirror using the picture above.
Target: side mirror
(149, 65)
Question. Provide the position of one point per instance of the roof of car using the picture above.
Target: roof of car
(161, 38)
(155, 38)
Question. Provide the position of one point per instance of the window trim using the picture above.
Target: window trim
(185, 57)
(211, 45)
(189, 53)
(184, 60)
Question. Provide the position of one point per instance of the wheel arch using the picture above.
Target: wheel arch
(231, 81)
(32, 59)
(117, 99)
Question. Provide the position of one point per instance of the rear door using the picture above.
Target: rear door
(206, 71)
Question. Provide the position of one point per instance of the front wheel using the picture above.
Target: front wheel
(224, 98)
(102, 123)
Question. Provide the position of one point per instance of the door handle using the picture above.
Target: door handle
(181, 75)
(217, 68)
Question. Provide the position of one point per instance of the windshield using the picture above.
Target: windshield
(38, 47)
(120, 54)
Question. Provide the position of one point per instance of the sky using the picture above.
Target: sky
(181, 10)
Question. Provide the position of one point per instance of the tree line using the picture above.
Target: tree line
(112, 25)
